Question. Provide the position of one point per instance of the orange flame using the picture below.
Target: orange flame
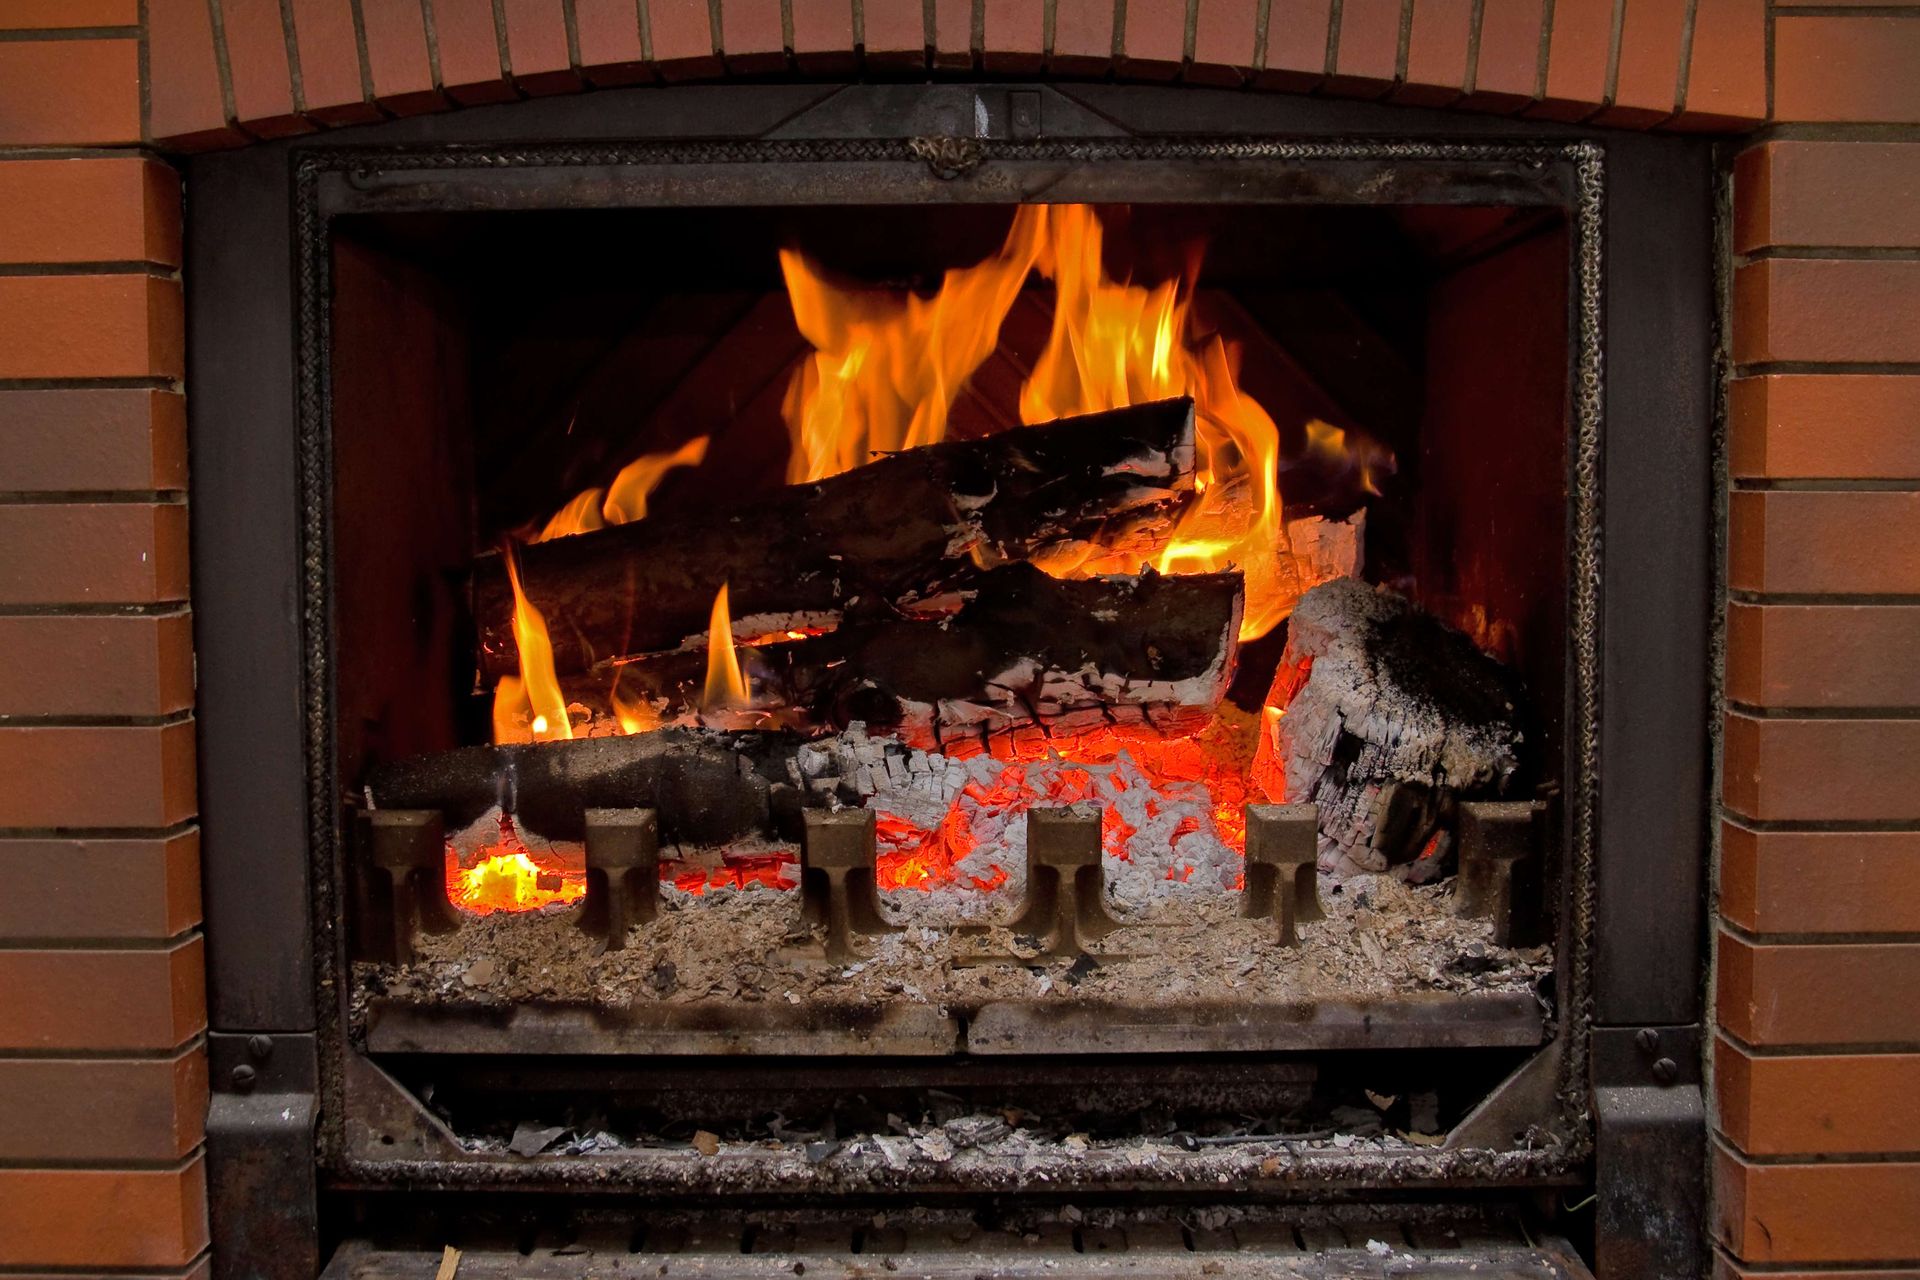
(885, 374)
(529, 707)
(626, 498)
(886, 370)
(726, 687)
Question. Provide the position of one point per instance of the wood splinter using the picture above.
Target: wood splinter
(1282, 871)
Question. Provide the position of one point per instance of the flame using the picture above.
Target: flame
(1350, 454)
(529, 707)
(885, 373)
(626, 498)
(726, 687)
(886, 370)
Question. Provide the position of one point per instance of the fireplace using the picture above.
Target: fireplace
(997, 666)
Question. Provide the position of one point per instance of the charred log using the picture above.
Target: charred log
(1026, 653)
(1389, 718)
(878, 537)
(708, 787)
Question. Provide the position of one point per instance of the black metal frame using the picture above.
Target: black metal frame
(1640, 666)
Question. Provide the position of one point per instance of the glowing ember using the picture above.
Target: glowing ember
(1156, 797)
(771, 871)
(507, 878)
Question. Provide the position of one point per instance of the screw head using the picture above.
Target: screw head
(1647, 1039)
(1666, 1071)
(260, 1046)
(244, 1077)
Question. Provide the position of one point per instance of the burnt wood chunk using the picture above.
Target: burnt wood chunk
(1282, 884)
(1150, 653)
(623, 872)
(1386, 718)
(871, 540)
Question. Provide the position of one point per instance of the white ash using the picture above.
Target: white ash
(1380, 938)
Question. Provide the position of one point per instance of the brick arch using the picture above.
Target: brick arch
(225, 72)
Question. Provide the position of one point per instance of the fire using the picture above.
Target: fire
(726, 686)
(885, 370)
(626, 498)
(885, 374)
(507, 878)
(530, 707)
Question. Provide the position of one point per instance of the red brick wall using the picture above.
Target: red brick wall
(1817, 1066)
(102, 1080)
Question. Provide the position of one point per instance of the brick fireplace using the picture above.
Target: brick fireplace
(1801, 980)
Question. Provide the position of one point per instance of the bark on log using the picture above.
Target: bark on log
(1026, 653)
(1389, 718)
(871, 539)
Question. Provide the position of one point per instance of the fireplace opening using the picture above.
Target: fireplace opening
(902, 633)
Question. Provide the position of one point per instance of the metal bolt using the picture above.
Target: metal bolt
(1666, 1071)
(1648, 1039)
(243, 1078)
(260, 1046)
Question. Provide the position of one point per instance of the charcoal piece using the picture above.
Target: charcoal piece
(909, 526)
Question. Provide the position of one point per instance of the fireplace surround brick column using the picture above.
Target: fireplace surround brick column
(1816, 1069)
(1817, 1065)
(103, 1082)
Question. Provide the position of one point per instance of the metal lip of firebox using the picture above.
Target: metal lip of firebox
(360, 1136)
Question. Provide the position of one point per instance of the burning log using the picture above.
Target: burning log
(1027, 653)
(876, 538)
(1386, 717)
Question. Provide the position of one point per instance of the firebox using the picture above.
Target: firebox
(947, 662)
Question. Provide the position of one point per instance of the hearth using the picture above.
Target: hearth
(1012, 661)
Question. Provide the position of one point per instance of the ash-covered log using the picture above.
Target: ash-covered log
(1388, 718)
(878, 537)
(1025, 653)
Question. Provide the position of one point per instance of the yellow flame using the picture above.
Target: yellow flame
(726, 687)
(886, 368)
(627, 495)
(1368, 460)
(529, 707)
(625, 499)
